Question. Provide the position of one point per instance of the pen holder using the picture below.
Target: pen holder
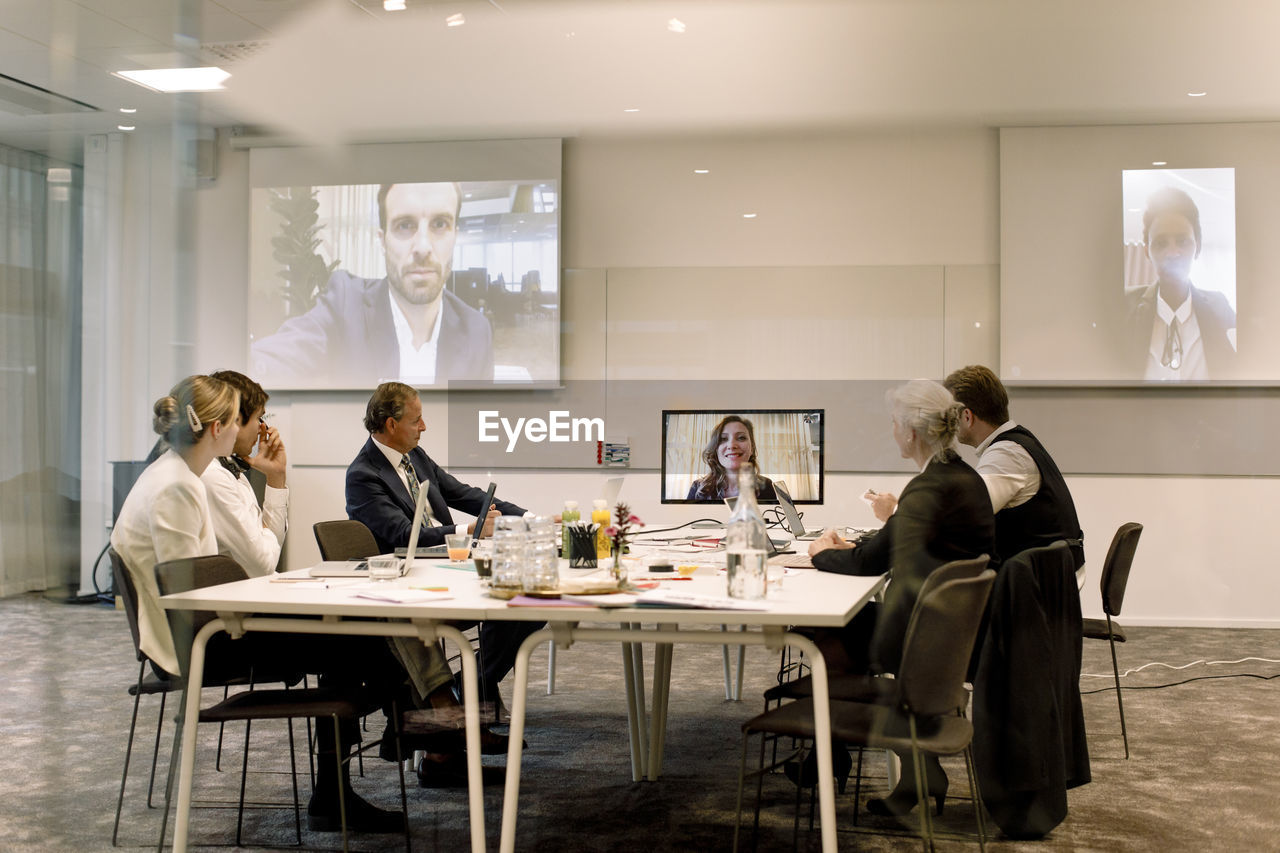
(582, 546)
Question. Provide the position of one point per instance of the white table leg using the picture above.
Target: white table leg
(471, 710)
(519, 703)
(635, 719)
(190, 718)
(662, 653)
(551, 667)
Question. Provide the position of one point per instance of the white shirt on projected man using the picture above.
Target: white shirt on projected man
(417, 364)
(1192, 365)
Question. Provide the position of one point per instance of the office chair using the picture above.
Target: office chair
(147, 685)
(930, 693)
(310, 702)
(1115, 576)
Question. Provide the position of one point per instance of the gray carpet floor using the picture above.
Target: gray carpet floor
(1203, 775)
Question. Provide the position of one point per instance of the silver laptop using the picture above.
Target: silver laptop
(360, 568)
(794, 524)
(612, 488)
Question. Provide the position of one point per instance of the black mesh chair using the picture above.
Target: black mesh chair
(1115, 576)
(924, 716)
(311, 702)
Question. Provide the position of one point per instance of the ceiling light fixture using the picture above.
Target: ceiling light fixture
(748, 216)
(128, 110)
(632, 110)
(1159, 162)
(701, 171)
(58, 175)
(457, 19)
(1196, 94)
(125, 127)
(393, 5)
(676, 25)
(170, 80)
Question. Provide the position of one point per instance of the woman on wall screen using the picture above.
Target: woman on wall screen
(731, 447)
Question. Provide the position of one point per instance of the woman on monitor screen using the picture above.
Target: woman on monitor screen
(731, 447)
(949, 517)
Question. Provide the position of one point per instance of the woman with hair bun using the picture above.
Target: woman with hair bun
(166, 517)
(943, 514)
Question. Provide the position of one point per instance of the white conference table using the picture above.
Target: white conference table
(805, 598)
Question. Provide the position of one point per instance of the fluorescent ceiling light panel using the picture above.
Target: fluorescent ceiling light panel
(206, 79)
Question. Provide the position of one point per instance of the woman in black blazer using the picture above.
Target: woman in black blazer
(943, 514)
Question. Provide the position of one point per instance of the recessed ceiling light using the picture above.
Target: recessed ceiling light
(393, 5)
(632, 110)
(457, 19)
(59, 175)
(1196, 94)
(675, 25)
(701, 171)
(128, 110)
(977, 324)
(748, 216)
(468, 195)
(1159, 162)
(177, 79)
(125, 127)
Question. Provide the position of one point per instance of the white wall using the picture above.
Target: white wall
(875, 199)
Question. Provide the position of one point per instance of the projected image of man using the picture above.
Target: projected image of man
(1184, 332)
(406, 325)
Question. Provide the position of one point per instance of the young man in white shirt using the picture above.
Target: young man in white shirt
(251, 535)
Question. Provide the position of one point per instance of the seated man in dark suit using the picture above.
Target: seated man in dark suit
(382, 482)
(406, 325)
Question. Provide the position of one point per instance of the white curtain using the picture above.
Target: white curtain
(40, 210)
(687, 435)
(349, 215)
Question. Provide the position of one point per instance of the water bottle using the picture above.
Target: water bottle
(746, 545)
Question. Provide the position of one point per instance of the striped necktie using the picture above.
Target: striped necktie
(411, 477)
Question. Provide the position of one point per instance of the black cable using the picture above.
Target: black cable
(1179, 683)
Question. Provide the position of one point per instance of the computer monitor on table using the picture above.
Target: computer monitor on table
(703, 449)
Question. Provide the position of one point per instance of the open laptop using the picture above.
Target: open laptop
(794, 524)
(360, 568)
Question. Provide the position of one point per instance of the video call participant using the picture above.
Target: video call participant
(406, 325)
(382, 484)
(165, 517)
(1029, 496)
(253, 537)
(1178, 331)
(732, 445)
(944, 515)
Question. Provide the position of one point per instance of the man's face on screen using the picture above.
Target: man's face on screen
(422, 227)
(1171, 245)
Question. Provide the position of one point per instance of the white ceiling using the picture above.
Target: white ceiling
(345, 70)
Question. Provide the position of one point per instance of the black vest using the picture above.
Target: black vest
(1050, 515)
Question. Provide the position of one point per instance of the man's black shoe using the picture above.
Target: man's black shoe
(361, 816)
(452, 773)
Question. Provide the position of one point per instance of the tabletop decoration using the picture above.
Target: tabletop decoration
(619, 534)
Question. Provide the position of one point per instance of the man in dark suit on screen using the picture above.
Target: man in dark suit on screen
(404, 326)
(382, 482)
